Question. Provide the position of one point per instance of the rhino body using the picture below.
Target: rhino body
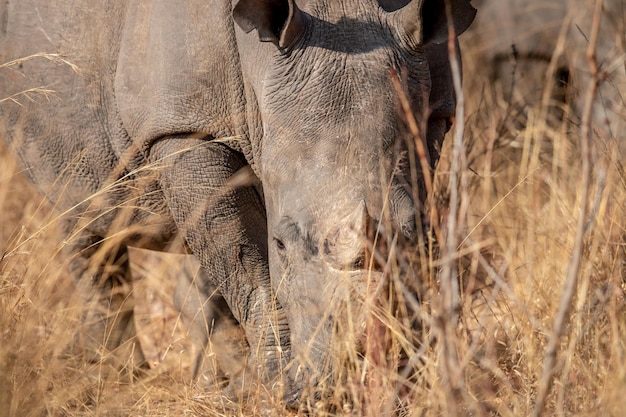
(263, 134)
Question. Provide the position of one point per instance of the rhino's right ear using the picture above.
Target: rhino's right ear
(276, 21)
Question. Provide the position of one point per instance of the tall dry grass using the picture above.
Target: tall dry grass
(483, 349)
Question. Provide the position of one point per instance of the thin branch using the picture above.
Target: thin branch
(573, 268)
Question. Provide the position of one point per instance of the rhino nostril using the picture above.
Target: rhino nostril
(355, 264)
(358, 264)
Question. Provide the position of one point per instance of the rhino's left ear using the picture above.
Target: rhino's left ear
(276, 21)
(436, 24)
(426, 22)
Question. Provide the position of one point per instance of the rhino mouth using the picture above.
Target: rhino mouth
(350, 321)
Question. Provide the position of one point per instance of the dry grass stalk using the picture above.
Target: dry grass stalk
(31, 93)
(585, 220)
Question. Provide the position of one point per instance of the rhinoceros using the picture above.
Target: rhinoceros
(516, 40)
(264, 134)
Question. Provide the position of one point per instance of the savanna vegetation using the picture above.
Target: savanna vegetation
(515, 307)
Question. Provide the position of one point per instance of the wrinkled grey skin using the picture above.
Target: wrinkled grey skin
(267, 142)
(538, 29)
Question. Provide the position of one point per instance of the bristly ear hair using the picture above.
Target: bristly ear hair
(276, 21)
(426, 21)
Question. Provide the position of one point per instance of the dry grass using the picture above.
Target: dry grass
(520, 199)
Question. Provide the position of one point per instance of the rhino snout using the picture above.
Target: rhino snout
(346, 318)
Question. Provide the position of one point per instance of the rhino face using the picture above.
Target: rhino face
(333, 157)
(334, 149)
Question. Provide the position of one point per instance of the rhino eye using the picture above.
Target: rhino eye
(279, 244)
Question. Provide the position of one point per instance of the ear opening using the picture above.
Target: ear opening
(276, 21)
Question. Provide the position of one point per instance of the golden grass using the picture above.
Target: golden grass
(522, 194)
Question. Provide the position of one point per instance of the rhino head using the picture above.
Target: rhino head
(332, 151)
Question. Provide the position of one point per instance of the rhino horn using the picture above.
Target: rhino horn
(276, 21)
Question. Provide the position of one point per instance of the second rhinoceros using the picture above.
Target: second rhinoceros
(522, 42)
(264, 133)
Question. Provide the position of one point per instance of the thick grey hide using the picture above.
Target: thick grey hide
(266, 142)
